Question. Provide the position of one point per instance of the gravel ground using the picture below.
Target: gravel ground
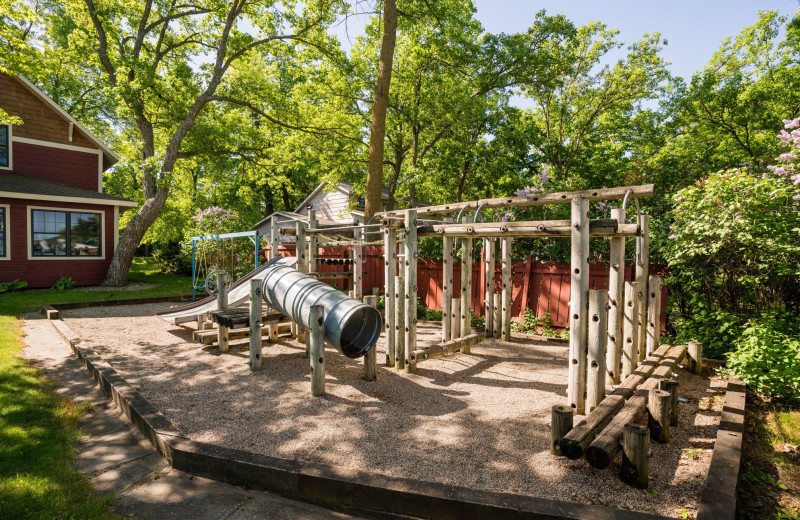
(479, 421)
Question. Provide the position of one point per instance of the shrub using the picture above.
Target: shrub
(171, 258)
(767, 356)
(13, 286)
(64, 283)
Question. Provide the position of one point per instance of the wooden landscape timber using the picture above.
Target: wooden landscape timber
(647, 190)
(209, 337)
(448, 347)
(574, 443)
(543, 228)
(602, 450)
(635, 458)
(560, 423)
(239, 317)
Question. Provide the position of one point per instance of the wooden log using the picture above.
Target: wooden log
(411, 288)
(506, 292)
(630, 356)
(209, 337)
(316, 348)
(647, 190)
(330, 276)
(671, 386)
(498, 315)
(371, 357)
(658, 405)
(527, 229)
(301, 252)
(596, 361)
(579, 316)
(390, 272)
(313, 250)
(576, 441)
(642, 267)
(642, 372)
(635, 459)
(447, 347)
(201, 321)
(255, 325)
(561, 417)
(273, 239)
(653, 313)
(488, 285)
(447, 288)
(358, 264)
(400, 321)
(466, 288)
(222, 303)
(666, 368)
(455, 317)
(604, 448)
(695, 357)
(616, 295)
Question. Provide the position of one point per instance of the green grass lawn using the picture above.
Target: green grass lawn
(38, 429)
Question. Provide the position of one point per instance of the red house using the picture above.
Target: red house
(55, 219)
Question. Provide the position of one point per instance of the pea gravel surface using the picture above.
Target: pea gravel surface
(478, 420)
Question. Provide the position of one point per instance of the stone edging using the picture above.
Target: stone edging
(331, 485)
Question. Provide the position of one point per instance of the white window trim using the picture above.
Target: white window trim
(8, 232)
(10, 154)
(78, 200)
(29, 219)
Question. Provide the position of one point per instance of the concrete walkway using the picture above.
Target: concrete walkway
(120, 460)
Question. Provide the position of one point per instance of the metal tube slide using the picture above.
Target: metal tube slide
(351, 327)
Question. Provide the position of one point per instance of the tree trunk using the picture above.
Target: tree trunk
(131, 236)
(378, 126)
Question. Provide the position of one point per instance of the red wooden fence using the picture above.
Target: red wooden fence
(540, 286)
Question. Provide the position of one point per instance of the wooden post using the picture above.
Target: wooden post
(630, 356)
(642, 266)
(635, 460)
(399, 321)
(466, 288)
(390, 272)
(616, 295)
(579, 316)
(411, 288)
(560, 425)
(255, 325)
(488, 285)
(695, 357)
(312, 242)
(596, 367)
(606, 445)
(358, 264)
(222, 303)
(371, 357)
(301, 253)
(671, 386)
(658, 406)
(201, 321)
(505, 316)
(316, 340)
(447, 287)
(273, 238)
(497, 303)
(653, 313)
(455, 317)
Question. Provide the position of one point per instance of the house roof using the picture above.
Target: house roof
(110, 156)
(16, 186)
(295, 216)
(344, 187)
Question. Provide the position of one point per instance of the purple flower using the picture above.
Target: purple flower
(601, 206)
(796, 179)
(784, 136)
(766, 176)
(672, 237)
(791, 123)
(787, 157)
(503, 219)
(796, 197)
(544, 177)
(522, 192)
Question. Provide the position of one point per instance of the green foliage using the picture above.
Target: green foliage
(64, 283)
(424, 313)
(13, 286)
(479, 322)
(767, 355)
(171, 258)
(232, 255)
(541, 325)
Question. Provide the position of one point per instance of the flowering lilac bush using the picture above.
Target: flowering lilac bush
(734, 248)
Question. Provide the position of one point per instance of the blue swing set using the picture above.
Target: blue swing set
(253, 235)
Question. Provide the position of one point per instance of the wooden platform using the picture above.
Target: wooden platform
(209, 337)
(239, 317)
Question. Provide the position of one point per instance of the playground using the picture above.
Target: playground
(480, 421)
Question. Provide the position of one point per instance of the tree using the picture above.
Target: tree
(157, 65)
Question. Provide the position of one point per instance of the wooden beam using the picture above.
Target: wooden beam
(347, 274)
(447, 288)
(410, 261)
(642, 267)
(537, 228)
(466, 288)
(616, 297)
(447, 347)
(602, 450)
(507, 288)
(316, 349)
(255, 325)
(390, 272)
(647, 190)
(579, 315)
(596, 366)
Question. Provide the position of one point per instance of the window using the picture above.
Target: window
(3, 232)
(65, 233)
(5, 155)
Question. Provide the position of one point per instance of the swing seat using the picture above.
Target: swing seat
(201, 287)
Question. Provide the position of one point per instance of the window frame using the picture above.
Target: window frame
(101, 213)
(7, 217)
(10, 154)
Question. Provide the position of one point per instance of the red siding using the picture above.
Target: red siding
(44, 273)
(79, 169)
